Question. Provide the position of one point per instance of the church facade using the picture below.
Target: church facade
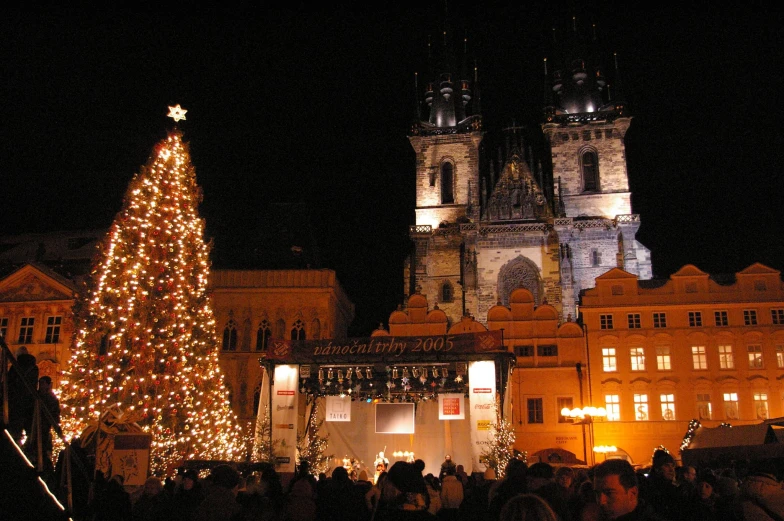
(485, 226)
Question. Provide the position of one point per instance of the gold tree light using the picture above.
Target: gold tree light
(145, 339)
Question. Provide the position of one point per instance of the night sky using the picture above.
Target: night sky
(307, 105)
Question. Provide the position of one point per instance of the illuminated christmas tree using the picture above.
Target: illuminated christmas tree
(312, 446)
(145, 342)
(501, 448)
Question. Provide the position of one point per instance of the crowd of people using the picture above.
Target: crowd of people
(612, 490)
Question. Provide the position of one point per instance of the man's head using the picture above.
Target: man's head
(447, 458)
(686, 473)
(45, 384)
(615, 485)
(564, 476)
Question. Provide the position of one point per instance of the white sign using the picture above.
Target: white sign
(338, 409)
(284, 415)
(451, 406)
(481, 400)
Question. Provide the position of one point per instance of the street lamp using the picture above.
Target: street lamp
(585, 416)
(604, 449)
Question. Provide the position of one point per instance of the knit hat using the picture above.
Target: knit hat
(406, 478)
(363, 475)
(661, 458)
(489, 474)
(225, 476)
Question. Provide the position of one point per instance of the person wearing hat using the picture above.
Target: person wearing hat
(188, 495)
(408, 487)
(220, 502)
(659, 489)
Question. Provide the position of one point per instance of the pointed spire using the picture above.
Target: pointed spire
(477, 107)
(417, 104)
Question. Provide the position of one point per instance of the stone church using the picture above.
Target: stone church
(487, 224)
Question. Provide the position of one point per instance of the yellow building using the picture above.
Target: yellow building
(692, 347)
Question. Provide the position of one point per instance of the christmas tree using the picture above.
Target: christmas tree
(145, 341)
(501, 447)
(312, 445)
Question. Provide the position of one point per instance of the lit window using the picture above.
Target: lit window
(721, 318)
(634, 320)
(263, 334)
(750, 317)
(563, 402)
(535, 412)
(761, 405)
(695, 319)
(780, 357)
(663, 362)
(637, 355)
(726, 359)
(606, 321)
(777, 316)
(612, 405)
(26, 330)
(641, 407)
(3, 326)
(230, 336)
(755, 357)
(704, 409)
(698, 357)
(53, 329)
(659, 320)
(731, 406)
(667, 406)
(609, 361)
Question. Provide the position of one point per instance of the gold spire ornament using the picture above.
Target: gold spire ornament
(177, 113)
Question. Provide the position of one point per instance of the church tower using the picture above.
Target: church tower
(585, 122)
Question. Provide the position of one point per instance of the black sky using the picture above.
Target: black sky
(307, 105)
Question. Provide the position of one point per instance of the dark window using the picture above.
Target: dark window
(26, 330)
(3, 326)
(750, 317)
(230, 336)
(605, 321)
(53, 329)
(777, 316)
(446, 292)
(659, 320)
(759, 285)
(535, 412)
(634, 321)
(695, 319)
(263, 335)
(447, 180)
(590, 168)
(617, 289)
(721, 318)
(596, 259)
(524, 350)
(549, 350)
(298, 331)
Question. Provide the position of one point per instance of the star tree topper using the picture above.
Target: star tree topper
(177, 113)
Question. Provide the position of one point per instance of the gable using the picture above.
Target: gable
(689, 270)
(30, 283)
(615, 274)
(758, 269)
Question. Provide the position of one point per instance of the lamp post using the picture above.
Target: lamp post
(585, 416)
(604, 449)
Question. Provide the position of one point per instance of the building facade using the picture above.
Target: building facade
(486, 226)
(689, 348)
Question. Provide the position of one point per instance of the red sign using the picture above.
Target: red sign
(285, 393)
(483, 390)
(451, 406)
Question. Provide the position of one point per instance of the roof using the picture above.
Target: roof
(735, 436)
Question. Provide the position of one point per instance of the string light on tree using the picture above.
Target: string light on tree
(145, 339)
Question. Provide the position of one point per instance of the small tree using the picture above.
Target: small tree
(501, 449)
(312, 446)
(264, 448)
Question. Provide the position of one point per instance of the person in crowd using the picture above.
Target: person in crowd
(51, 404)
(300, 500)
(618, 494)
(220, 502)
(461, 475)
(704, 504)
(22, 384)
(445, 465)
(111, 501)
(561, 494)
(514, 482)
(341, 499)
(659, 489)
(408, 492)
(152, 504)
(188, 495)
(434, 491)
(539, 474)
(452, 494)
(527, 507)
(761, 493)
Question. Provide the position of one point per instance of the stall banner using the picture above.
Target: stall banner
(130, 458)
(284, 415)
(338, 409)
(451, 406)
(481, 400)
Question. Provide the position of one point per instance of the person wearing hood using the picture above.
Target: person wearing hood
(761, 494)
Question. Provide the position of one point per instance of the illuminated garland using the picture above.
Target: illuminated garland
(692, 428)
(145, 338)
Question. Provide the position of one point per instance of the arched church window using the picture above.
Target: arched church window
(519, 273)
(447, 293)
(589, 163)
(230, 336)
(315, 329)
(447, 183)
(298, 331)
(263, 334)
